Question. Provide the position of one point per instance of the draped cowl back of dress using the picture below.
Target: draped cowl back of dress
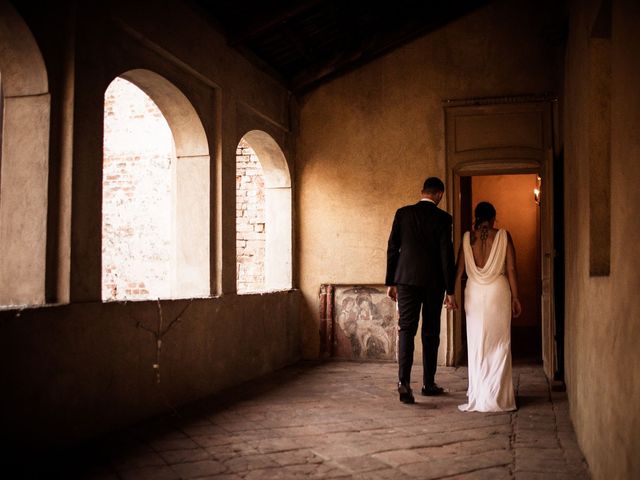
(487, 302)
(495, 264)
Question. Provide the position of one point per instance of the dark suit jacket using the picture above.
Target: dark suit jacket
(420, 251)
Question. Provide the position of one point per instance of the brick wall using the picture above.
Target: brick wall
(250, 223)
(137, 200)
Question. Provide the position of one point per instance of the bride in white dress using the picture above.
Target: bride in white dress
(490, 300)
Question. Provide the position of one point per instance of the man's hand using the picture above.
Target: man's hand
(392, 293)
(450, 302)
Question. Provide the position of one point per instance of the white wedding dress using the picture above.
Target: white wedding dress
(487, 303)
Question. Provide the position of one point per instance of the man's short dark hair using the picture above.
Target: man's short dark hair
(433, 185)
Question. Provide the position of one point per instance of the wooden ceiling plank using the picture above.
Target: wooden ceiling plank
(260, 23)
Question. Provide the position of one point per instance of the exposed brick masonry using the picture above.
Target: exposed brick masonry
(250, 220)
(138, 156)
(137, 200)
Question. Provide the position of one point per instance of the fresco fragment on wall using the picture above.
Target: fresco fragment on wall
(364, 323)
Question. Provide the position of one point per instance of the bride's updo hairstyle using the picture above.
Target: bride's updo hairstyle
(484, 212)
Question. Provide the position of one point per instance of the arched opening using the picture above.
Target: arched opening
(263, 215)
(155, 216)
(139, 156)
(24, 162)
(250, 220)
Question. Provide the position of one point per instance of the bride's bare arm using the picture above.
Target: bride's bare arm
(512, 276)
(459, 265)
(450, 301)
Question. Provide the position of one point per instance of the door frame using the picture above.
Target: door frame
(500, 137)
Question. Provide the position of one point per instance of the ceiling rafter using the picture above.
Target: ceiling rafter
(260, 17)
(309, 42)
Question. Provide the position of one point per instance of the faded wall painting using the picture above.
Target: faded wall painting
(363, 323)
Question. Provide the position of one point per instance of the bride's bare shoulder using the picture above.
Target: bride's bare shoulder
(508, 234)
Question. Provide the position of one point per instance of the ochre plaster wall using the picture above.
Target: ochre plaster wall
(603, 313)
(369, 139)
(72, 371)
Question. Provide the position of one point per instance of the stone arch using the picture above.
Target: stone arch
(24, 162)
(190, 196)
(188, 131)
(21, 63)
(277, 210)
(272, 159)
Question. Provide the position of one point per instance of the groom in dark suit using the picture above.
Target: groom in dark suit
(420, 269)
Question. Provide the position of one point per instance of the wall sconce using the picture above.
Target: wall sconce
(536, 190)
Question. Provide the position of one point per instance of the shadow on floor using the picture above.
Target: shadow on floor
(331, 420)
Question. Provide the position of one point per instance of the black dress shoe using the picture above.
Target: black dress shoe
(406, 395)
(432, 390)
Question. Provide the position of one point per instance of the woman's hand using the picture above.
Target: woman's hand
(516, 308)
(450, 302)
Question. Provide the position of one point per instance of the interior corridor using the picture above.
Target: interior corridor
(341, 420)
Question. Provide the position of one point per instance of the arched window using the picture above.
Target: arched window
(155, 216)
(263, 215)
(24, 163)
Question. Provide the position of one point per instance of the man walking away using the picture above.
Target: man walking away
(420, 269)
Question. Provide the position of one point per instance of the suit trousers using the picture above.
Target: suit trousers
(412, 299)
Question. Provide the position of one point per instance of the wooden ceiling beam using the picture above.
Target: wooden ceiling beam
(379, 44)
(298, 42)
(337, 35)
(259, 22)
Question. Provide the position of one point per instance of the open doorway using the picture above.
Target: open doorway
(506, 138)
(518, 211)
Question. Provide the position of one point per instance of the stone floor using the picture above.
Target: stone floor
(343, 420)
